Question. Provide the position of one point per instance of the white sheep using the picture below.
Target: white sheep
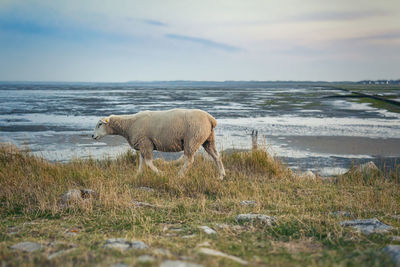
(168, 131)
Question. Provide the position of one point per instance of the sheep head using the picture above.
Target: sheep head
(101, 129)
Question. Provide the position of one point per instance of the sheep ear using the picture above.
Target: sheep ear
(105, 120)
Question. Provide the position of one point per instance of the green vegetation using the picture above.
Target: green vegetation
(376, 103)
(305, 232)
(383, 91)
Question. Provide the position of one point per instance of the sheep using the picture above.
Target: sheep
(168, 131)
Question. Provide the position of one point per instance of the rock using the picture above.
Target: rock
(393, 251)
(162, 252)
(238, 227)
(396, 238)
(169, 263)
(138, 245)
(222, 225)
(341, 213)
(145, 188)
(72, 232)
(367, 167)
(72, 195)
(308, 175)
(368, 226)
(217, 253)
(145, 204)
(208, 230)
(123, 244)
(119, 264)
(87, 193)
(250, 217)
(395, 216)
(27, 246)
(145, 259)
(12, 230)
(188, 236)
(204, 244)
(248, 203)
(60, 253)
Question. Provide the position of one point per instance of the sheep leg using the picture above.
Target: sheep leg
(188, 163)
(146, 152)
(149, 163)
(209, 146)
(140, 169)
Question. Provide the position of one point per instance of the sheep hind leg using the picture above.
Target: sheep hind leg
(210, 148)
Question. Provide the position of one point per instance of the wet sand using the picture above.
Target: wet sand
(344, 145)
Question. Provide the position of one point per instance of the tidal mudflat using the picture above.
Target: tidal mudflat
(309, 125)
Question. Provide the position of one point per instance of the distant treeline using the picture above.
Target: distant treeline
(379, 82)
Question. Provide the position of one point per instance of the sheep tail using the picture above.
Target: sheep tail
(213, 121)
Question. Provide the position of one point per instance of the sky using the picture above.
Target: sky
(213, 40)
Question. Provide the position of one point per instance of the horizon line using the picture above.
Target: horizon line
(199, 81)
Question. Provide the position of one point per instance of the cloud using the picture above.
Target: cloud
(337, 15)
(154, 22)
(379, 37)
(203, 41)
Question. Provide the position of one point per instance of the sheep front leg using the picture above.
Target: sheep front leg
(140, 169)
(149, 163)
(188, 162)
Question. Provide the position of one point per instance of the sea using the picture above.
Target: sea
(307, 125)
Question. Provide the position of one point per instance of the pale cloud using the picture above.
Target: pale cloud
(204, 42)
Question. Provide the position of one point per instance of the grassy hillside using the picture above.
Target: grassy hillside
(305, 233)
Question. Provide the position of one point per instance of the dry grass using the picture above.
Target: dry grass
(305, 233)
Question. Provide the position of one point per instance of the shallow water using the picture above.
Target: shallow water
(56, 120)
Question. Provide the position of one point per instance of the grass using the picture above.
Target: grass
(379, 104)
(306, 233)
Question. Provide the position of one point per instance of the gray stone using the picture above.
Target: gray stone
(396, 238)
(222, 225)
(250, 217)
(368, 226)
(145, 259)
(248, 203)
(71, 196)
(27, 246)
(204, 244)
(162, 252)
(169, 263)
(212, 252)
(207, 230)
(145, 188)
(60, 253)
(119, 264)
(393, 251)
(123, 244)
(188, 236)
(341, 213)
(308, 175)
(138, 245)
(87, 193)
(367, 167)
(145, 204)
